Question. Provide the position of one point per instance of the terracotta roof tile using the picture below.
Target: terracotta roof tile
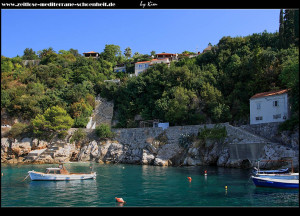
(270, 93)
(90, 52)
(165, 54)
(142, 62)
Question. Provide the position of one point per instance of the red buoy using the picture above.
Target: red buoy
(189, 178)
(120, 200)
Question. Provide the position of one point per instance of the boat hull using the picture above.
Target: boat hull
(275, 183)
(288, 176)
(261, 172)
(37, 176)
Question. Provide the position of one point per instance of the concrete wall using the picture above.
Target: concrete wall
(251, 151)
(241, 143)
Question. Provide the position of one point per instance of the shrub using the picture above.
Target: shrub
(215, 133)
(18, 130)
(160, 140)
(185, 140)
(289, 125)
(78, 136)
(104, 131)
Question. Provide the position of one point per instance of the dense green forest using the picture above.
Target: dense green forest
(59, 92)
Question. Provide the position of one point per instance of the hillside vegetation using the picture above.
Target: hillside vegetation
(213, 87)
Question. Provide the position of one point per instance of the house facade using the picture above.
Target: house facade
(170, 56)
(270, 106)
(139, 67)
(165, 58)
(120, 68)
(91, 54)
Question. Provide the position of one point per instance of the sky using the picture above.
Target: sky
(159, 30)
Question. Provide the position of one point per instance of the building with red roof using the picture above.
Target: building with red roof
(165, 58)
(272, 106)
(91, 54)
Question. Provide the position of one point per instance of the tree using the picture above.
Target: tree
(29, 54)
(6, 65)
(80, 112)
(111, 52)
(289, 27)
(181, 105)
(281, 29)
(18, 130)
(290, 79)
(55, 120)
(74, 52)
(128, 52)
(45, 52)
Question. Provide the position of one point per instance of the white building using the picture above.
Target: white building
(165, 58)
(120, 69)
(141, 66)
(270, 106)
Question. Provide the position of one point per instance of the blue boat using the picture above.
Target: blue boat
(287, 176)
(280, 171)
(275, 182)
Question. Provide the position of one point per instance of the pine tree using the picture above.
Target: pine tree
(281, 30)
(289, 27)
(296, 26)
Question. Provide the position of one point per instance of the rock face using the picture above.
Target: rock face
(152, 146)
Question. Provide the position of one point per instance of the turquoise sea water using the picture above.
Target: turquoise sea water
(141, 186)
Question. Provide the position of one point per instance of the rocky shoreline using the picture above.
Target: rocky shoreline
(153, 146)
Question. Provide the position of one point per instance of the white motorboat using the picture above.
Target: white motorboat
(59, 174)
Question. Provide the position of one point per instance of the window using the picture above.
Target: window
(258, 105)
(258, 118)
(277, 116)
(275, 103)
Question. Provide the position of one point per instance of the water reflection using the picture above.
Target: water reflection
(141, 185)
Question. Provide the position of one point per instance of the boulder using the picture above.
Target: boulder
(147, 158)
(161, 162)
(21, 148)
(89, 152)
(5, 146)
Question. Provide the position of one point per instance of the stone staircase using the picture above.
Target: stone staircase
(103, 113)
(245, 144)
(52, 149)
(240, 135)
(34, 154)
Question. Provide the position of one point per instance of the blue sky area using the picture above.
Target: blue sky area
(161, 30)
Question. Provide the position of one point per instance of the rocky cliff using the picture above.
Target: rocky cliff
(154, 146)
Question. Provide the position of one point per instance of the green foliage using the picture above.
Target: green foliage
(160, 140)
(81, 111)
(186, 140)
(78, 136)
(55, 120)
(19, 130)
(6, 65)
(29, 54)
(216, 133)
(290, 78)
(111, 53)
(61, 79)
(214, 87)
(289, 125)
(103, 131)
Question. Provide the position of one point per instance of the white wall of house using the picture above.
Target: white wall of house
(140, 67)
(269, 109)
(158, 61)
(120, 69)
